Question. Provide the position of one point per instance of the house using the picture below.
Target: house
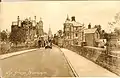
(73, 32)
(92, 36)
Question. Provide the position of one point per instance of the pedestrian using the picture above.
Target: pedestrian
(39, 43)
(44, 43)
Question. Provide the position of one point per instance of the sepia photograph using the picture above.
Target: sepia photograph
(59, 39)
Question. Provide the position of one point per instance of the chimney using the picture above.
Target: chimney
(18, 20)
(73, 18)
(40, 19)
(89, 26)
(35, 18)
(29, 18)
(68, 18)
(12, 23)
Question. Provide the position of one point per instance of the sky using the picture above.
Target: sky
(54, 13)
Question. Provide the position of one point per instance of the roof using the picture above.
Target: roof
(74, 23)
(14, 23)
(92, 30)
(40, 21)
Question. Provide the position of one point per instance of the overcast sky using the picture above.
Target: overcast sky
(55, 13)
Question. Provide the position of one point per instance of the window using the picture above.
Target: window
(76, 28)
(68, 36)
(97, 35)
(76, 34)
(67, 29)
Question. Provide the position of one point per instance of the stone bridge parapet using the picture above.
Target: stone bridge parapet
(109, 61)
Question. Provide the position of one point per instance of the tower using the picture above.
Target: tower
(49, 33)
(18, 21)
(68, 18)
(40, 28)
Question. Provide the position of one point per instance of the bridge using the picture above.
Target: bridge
(55, 62)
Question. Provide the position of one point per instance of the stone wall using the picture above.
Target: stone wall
(7, 47)
(98, 55)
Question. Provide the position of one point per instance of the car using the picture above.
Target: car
(48, 45)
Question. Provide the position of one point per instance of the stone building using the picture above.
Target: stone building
(92, 36)
(32, 28)
(73, 32)
(39, 26)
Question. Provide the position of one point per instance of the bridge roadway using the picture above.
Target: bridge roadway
(35, 64)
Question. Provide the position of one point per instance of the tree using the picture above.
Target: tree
(107, 36)
(14, 37)
(22, 35)
(117, 18)
(55, 39)
(117, 30)
(60, 33)
(98, 28)
(102, 35)
(3, 35)
(116, 21)
(18, 36)
(101, 32)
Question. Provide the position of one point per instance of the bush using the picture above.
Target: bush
(5, 47)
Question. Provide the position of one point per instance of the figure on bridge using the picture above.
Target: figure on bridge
(39, 43)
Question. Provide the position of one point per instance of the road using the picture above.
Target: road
(39, 63)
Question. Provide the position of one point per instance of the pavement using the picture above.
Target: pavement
(35, 64)
(40, 62)
(85, 67)
(4, 56)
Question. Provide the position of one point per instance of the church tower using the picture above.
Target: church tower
(50, 33)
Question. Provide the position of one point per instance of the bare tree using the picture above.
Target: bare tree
(18, 36)
(116, 20)
(117, 30)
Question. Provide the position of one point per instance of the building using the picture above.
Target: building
(92, 36)
(73, 32)
(32, 28)
(55, 39)
(50, 36)
(39, 26)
